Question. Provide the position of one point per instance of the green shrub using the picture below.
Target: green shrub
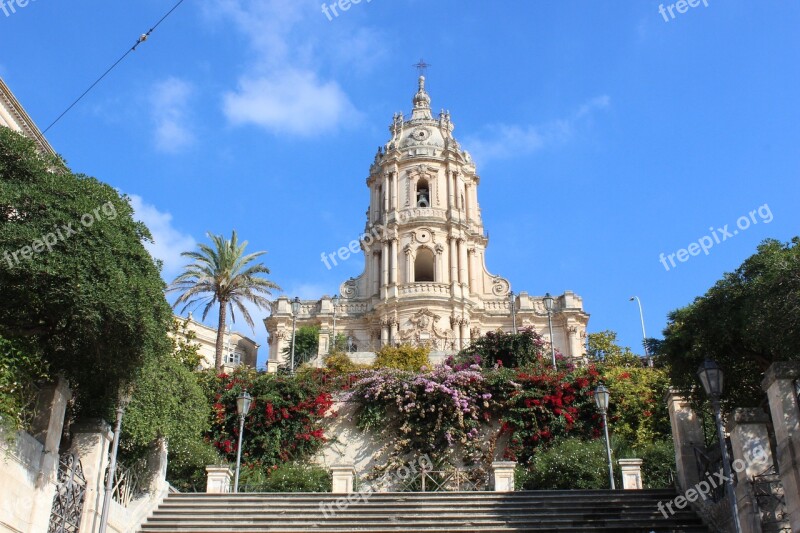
(289, 477)
(340, 363)
(658, 463)
(19, 370)
(403, 357)
(567, 464)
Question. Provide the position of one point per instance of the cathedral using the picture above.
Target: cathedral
(425, 280)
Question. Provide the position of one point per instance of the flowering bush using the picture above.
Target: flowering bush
(431, 411)
(461, 410)
(545, 405)
(638, 413)
(283, 423)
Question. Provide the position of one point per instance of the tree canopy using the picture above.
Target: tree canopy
(80, 291)
(745, 322)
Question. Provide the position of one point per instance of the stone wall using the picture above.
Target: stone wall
(29, 465)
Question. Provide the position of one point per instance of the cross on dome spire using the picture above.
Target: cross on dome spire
(422, 67)
(422, 102)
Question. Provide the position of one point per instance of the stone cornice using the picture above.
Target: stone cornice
(22, 119)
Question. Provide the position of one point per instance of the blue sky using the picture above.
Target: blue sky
(604, 134)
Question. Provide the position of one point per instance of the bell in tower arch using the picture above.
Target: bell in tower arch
(423, 198)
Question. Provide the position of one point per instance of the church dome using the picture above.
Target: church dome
(420, 134)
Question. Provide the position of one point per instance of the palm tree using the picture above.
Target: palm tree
(222, 274)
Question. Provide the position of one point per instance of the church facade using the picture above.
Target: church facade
(425, 279)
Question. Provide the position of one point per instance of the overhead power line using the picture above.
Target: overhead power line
(142, 38)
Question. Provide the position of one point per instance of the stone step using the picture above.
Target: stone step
(619, 511)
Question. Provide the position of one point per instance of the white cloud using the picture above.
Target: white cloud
(503, 141)
(283, 89)
(294, 102)
(168, 241)
(170, 109)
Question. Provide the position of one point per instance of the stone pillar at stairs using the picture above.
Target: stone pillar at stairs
(751, 456)
(686, 433)
(503, 474)
(218, 479)
(631, 474)
(343, 478)
(91, 442)
(779, 384)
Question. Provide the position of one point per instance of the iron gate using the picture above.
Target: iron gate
(65, 517)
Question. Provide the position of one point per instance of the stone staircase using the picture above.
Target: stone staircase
(610, 511)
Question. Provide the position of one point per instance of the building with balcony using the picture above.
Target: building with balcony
(237, 349)
(425, 279)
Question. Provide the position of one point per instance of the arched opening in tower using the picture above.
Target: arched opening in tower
(423, 195)
(423, 265)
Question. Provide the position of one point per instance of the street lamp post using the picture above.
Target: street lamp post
(513, 304)
(243, 402)
(295, 312)
(601, 396)
(335, 301)
(122, 403)
(711, 376)
(644, 334)
(548, 304)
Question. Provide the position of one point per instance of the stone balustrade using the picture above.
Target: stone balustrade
(424, 288)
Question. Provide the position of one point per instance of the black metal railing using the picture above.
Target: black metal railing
(65, 515)
(771, 500)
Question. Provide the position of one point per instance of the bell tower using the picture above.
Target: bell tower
(424, 211)
(425, 279)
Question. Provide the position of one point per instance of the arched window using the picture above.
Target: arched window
(423, 194)
(423, 265)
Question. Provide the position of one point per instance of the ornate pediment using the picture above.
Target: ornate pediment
(424, 331)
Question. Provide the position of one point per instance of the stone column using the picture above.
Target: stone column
(384, 333)
(686, 433)
(394, 261)
(385, 263)
(376, 273)
(503, 473)
(751, 456)
(453, 262)
(464, 333)
(392, 194)
(343, 479)
(409, 264)
(218, 479)
(473, 270)
(393, 332)
(462, 261)
(631, 473)
(385, 198)
(779, 383)
(467, 206)
(91, 442)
